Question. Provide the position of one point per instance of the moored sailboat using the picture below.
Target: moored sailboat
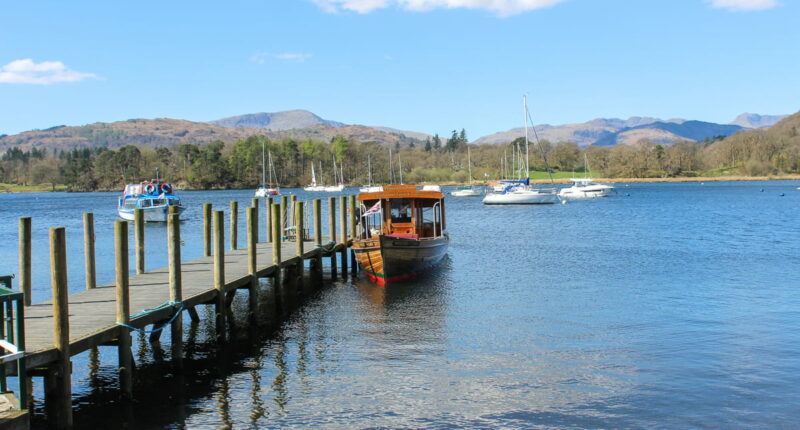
(471, 190)
(263, 190)
(402, 232)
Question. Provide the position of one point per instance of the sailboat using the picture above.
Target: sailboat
(470, 190)
(313, 185)
(520, 191)
(263, 190)
(340, 186)
(586, 187)
(366, 188)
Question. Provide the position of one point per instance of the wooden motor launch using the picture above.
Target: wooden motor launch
(402, 232)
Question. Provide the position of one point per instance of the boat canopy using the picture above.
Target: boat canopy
(400, 191)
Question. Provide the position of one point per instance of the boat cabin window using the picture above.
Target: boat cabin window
(401, 210)
(146, 203)
(130, 204)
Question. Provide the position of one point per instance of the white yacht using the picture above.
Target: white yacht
(263, 190)
(313, 186)
(585, 188)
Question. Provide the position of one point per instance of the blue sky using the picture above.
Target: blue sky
(424, 65)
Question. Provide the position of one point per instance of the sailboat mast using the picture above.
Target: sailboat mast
(263, 166)
(469, 165)
(400, 161)
(527, 158)
(391, 170)
(369, 169)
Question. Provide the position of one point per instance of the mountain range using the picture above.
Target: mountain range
(303, 125)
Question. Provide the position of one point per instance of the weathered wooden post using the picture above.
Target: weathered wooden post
(353, 233)
(299, 242)
(268, 212)
(343, 233)
(175, 285)
(219, 271)
(25, 257)
(60, 378)
(234, 224)
(252, 256)
(332, 233)
(207, 221)
(276, 255)
(138, 232)
(293, 200)
(317, 261)
(123, 310)
(88, 251)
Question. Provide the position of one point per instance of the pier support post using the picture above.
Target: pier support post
(252, 257)
(343, 233)
(234, 225)
(61, 378)
(316, 269)
(268, 215)
(207, 221)
(332, 233)
(219, 272)
(138, 233)
(276, 253)
(299, 243)
(175, 286)
(123, 310)
(88, 251)
(353, 233)
(25, 258)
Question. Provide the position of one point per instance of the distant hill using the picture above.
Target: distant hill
(754, 120)
(171, 132)
(613, 131)
(668, 132)
(278, 121)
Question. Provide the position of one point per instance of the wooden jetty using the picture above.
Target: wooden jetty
(101, 315)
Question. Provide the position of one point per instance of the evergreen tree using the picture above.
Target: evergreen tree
(428, 146)
(437, 142)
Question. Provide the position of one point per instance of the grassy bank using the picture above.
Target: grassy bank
(14, 188)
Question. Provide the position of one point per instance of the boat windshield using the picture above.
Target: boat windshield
(401, 210)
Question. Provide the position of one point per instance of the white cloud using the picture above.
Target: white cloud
(743, 5)
(500, 7)
(45, 73)
(262, 57)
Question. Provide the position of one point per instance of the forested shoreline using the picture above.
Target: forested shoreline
(222, 165)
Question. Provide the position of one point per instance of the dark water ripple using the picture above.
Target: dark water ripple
(667, 306)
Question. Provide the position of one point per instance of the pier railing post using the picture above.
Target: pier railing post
(61, 378)
(299, 243)
(175, 285)
(219, 271)
(25, 258)
(123, 309)
(293, 201)
(252, 256)
(138, 225)
(343, 233)
(353, 233)
(207, 229)
(234, 225)
(268, 215)
(88, 251)
(332, 233)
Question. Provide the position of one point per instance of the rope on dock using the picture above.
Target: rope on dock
(328, 246)
(167, 304)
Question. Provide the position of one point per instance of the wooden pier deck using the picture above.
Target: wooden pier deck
(92, 313)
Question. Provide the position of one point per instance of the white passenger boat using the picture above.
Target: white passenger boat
(585, 188)
(154, 198)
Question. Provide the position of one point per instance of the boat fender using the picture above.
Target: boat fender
(149, 188)
(166, 188)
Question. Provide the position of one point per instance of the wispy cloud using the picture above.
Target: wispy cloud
(26, 71)
(743, 5)
(500, 7)
(289, 57)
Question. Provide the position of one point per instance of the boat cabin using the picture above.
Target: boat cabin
(402, 211)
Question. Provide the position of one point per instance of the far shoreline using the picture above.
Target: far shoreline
(4, 188)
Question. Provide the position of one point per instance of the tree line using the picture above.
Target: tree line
(220, 165)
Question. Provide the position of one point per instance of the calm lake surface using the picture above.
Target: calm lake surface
(668, 305)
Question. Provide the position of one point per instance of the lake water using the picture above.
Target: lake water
(668, 305)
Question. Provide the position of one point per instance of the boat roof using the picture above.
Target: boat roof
(402, 192)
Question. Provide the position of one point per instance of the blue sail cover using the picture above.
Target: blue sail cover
(521, 181)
